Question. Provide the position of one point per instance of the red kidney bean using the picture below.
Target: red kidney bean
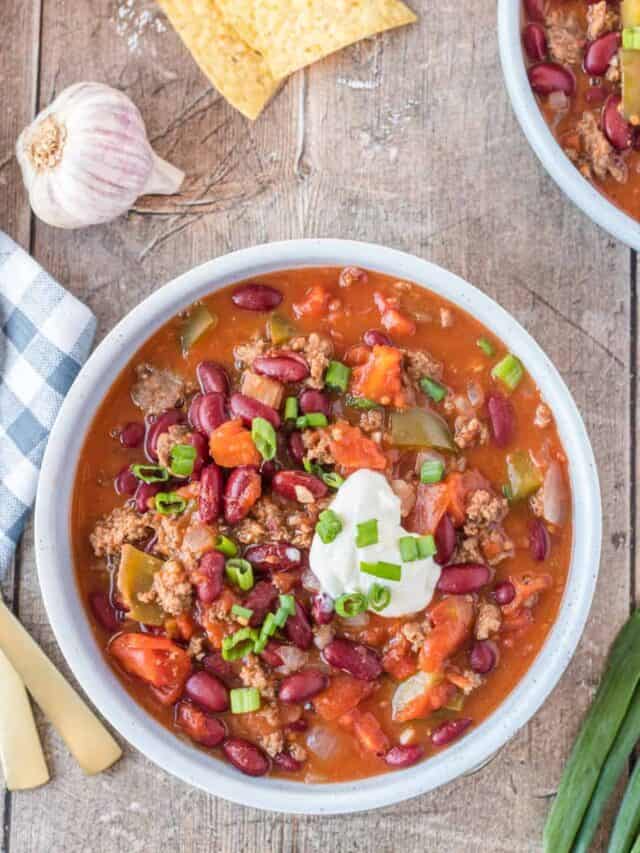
(450, 730)
(205, 730)
(285, 367)
(547, 77)
(245, 756)
(207, 691)
(296, 446)
(358, 660)
(483, 656)
(272, 556)
(288, 484)
(300, 725)
(322, 609)
(596, 94)
(256, 297)
(218, 666)
(462, 578)
(261, 600)
(132, 434)
(104, 611)
(212, 377)
(244, 487)
(144, 493)
(301, 686)
(197, 440)
(298, 629)
(504, 592)
(600, 52)
(502, 418)
(615, 126)
(287, 762)
(126, 482)
(210, 497)
(311, 400)
(535, 9)
(445, 538)
(539, 541)
(248, 408)
(352, 275)
(207, 412)
(270, 654)
(534, 40)
(155, 429)
(376, 338)
(210, 575)
(404, 755)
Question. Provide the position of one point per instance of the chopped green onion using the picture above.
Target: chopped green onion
(226, 546)
(288, 604)
(507, 491)
(631, 38)
(236, 646)
(337, 376)
(433, 389)
(408, 546)
(379, 597)
(182, 458)
(386, 571)
(431, 471)
(367, 533)
(264, 438)
(311, 467)
(360, 402)
(350, 604)
(169, 503)
(329, 526)
(291, 409)
(242, 612)
(332, 479)
(426, 546)
(313, 419)
(509, 371)
(486, 346)
(244, 700)
(240, 572)
(150, 473)
(268, 629)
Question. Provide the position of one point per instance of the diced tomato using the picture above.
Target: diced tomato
(231, 445)
(451, 620)
(526, 586)
(420, 695)
(156, 660)
(285, 581)
(460, 487)
(356, 355)
(341, 696)
(392, 318)
(380, 377)
(367, 729)
(186, 626)
(315, 303)
(352, 449)
(432, 501)
(399, 660)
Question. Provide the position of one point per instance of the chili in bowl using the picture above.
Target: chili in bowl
(322, 528)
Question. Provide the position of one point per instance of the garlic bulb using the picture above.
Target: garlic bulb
(86, 158)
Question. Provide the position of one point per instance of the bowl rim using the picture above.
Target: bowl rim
(71, 627)
(581, 192)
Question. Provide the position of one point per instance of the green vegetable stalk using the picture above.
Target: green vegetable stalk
(627, 824)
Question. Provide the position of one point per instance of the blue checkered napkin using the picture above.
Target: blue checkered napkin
(45, 337)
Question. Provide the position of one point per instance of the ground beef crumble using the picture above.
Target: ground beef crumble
(317, 444)
(407, 494)
(245, 354)
(414, 633)
(600, 19)
(372, 422)
(470, 431)
(420, 363)
(488, 621)
(270, 521)
(565, 38)
(543, 416)
(121, 525)
(176, 434)
(171, 589)
(253, 674)
(317, 350)
(157, 389)
(484, 538)
(596, 155)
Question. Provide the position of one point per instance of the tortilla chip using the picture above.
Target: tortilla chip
(293, 33)
(238, 72)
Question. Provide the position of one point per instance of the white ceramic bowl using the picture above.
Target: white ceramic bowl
(535, 128)
(70, 624)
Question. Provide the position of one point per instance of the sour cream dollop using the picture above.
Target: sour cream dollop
(363, 496)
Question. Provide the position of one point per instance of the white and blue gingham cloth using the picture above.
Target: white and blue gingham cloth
(45, 337)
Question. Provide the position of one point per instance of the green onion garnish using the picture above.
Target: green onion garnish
(509, 371)
(486, 346)
(291, 409)
(268, 629)
(378, 597)
(288, 604)
(350, 604)
(226, 546)
(507, 491)
(631, 38)
(337, 376)
(386, 571)
(236, 646)
(367, 533)
(264, 438)
(312, 468)
(328, 526)
(242, 612)
(181, 460)
(244, 700)
(150, 473)
(313, 419)
(360, 402)
(240, 572)
(426, 546)
(332, 479)
(169, 503)
(408, 546)
(433, 389)
(431, 471)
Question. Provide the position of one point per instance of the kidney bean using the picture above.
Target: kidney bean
(249, 408)
(210, 575)
(352, 275)
(462, 578)
(502, 418)
(301, 686)
(261, 600)
(210, 497)
(268, 470)
(404, 755)
(207, 691)
(600, 52)
(534, 40)
(322, 609)
(547, 77)
(272, 556)
(205, 730)
(256, 297)
(504, 592)
(285, 367)
(296, 446)
(596, 94)
(156, 427)
(126, 482)
(539, 541)
(104, 611)
(300, 725)
(374, 337)
(270, 654)
(197, 440)
(132, 434)
(287, 762)
(212, 377)
(445, 538)
(245, 756)
(450, 730)
(615, 126)
(358, 660)
(483, 657)
(244, 487)
(144, 493)
(311, 400)
(298, 629)
(207, 412)
(298, 486)
(218, 666)
(535, 9)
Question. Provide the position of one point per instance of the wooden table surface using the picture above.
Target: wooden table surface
(407, 140)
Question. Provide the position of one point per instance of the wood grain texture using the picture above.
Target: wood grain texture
(400, 140)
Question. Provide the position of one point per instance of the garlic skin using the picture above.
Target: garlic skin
(86, 158)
